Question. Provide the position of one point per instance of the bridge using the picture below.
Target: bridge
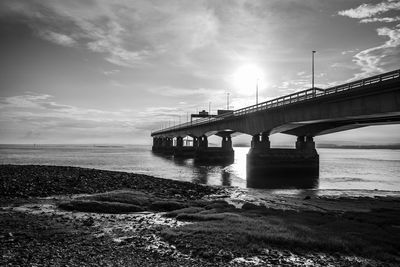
(305, 114)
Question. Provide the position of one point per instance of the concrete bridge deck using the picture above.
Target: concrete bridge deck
(310, 112)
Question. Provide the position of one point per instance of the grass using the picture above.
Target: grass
(246, 233)
(122, 201)
(133, 197)
(98, 207)
(218, 229)
(167, 205)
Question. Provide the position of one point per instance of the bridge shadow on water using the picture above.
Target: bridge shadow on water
(202, 173)
(283, 181)
(223, 174)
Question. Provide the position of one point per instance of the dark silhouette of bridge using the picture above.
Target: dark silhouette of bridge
(305, 114)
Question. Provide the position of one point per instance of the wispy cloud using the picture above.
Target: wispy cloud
(40, 117)
(380, 58)
(126, 32)
(383, 57)
(386, 19)
(57, 38)
(111, 72)
(174, 91)
(350, 51)
(370, 10)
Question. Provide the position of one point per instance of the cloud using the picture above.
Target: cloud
(111, 72)
(370, 10)
(350, 51)
(58, 38)
(381, 58)
(39, 117)
(125, 32)
(174, 91)
(386, 19)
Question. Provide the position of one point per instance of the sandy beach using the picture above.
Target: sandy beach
(68, 216)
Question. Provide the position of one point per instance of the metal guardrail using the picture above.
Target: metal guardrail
(289, 99)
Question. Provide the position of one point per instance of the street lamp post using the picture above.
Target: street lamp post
(227, 101)
(257, 92)
(313, 52)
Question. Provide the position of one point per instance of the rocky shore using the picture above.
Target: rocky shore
(68, 216)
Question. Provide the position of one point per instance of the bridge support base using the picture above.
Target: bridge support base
(215, 155)
(283, 168)
(184, 152)
(163, 146)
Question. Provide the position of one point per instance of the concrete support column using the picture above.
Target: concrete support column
(226, 142)
(265, 143)
(255, 141)
(203, 142)
(195, 142)
(156, 144)
(300, 143)
(163, 142)
(169, 142)
(310, 144)
(179, 141)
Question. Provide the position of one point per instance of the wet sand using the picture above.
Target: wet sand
(57, 216)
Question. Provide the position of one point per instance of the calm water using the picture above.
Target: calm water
(340, 169)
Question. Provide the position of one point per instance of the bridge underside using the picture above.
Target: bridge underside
(356, 108)
(332, 126)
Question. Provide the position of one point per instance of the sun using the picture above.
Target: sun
(246, 77)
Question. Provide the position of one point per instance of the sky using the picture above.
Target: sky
(107, 71)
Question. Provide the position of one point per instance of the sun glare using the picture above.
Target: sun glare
(245, 78)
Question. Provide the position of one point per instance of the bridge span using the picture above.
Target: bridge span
(305, 114)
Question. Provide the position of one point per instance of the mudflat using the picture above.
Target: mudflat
(58, 216)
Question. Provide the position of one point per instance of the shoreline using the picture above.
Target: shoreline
(150, 221)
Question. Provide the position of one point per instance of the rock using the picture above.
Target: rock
(251, 206)
(166, 205)
(88, 221)
(219, 204)
(227, 255)
(99, 207)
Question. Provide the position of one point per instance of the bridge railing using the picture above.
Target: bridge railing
(280, 101)
(364, 82)
(289, 99)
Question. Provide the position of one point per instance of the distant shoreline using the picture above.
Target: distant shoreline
(396, 146)
(391, 146)
(359, 146)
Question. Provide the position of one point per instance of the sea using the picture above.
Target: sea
(354, 172)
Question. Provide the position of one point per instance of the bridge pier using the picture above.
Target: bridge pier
(259, 145)
(163, 145)
(195, 142)
(181, 151)
(282, 168)
(223, 154)
(156, 145)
